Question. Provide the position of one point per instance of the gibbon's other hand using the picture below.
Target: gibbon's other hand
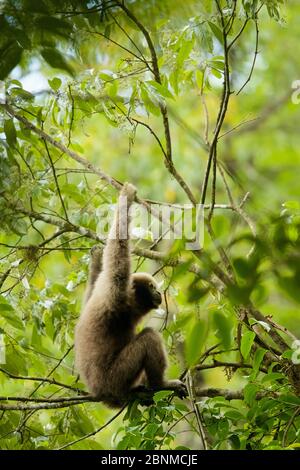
(129, 191)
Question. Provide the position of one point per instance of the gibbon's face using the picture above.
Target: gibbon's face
(146, 293)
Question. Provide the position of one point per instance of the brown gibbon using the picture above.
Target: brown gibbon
(111, 357)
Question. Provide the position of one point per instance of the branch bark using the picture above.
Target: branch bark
(64, 402)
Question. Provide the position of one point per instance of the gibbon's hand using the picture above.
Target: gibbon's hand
(129, 191)
(96, 250)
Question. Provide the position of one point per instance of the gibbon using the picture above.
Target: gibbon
(111, 358)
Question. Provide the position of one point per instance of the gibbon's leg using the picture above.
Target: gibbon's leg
(94, 270)
(144, 353)
(116, 255)
(155, 362)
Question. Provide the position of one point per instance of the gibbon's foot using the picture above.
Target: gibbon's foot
(178, 387)
(129, 191)
(140, 389)
(146, 401)
(145, 395)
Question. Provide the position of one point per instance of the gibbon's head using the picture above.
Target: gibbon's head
(145, 291)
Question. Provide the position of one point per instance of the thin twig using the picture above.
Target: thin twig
(222, 112)
(163, 108)
(93, 433)
(254, 58)
(286, 431)
(190, 387)
(98, 33)
(39, 379)
(56, 181)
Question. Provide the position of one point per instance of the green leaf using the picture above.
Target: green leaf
(185, 49)
(162, 90)
(234, 415)
(223, 428)
(216, 73)
(10, 132)
(15, 363)
(246, 343)
(223, 327)
(218, 64)
(292, 205)
(105, 76)
(54, 25)
(10, 56)
(216, 30)
(290, 399)
(55, 59)
(55, 83)
(258, 357)
(24, 94)
(161, 395)
(8, 313)
(195, 342)
(18, 226)
(149, 104)
(295, 445)
(4, 305)
(272, 376)
(250, 392)
(133, 411)
(239, 294)
(235, 441)
(199, 77)
(36, 6)
(92, 445)
(196, 293)
(288, 354)
(242, 267)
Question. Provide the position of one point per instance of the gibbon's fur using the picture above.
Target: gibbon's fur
(111, 358)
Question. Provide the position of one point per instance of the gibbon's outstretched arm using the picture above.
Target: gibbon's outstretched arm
(116, 255)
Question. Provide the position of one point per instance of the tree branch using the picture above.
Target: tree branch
(254, 58)
(64, 402)
(229, 394)
(221, 115)
(42, 406)
(233, 365)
